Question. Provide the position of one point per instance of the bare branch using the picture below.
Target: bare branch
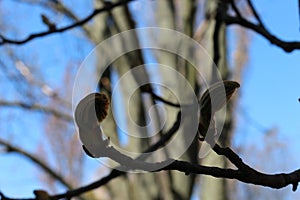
(107, 7)
(11, 148)
(236, 10)
(37, 107)
(247, 174)
(269, 180)
(286, 46)
(244, 173)
(114, 173)
(72, 193)
(258, 28)
(158, 98)
(255, 13)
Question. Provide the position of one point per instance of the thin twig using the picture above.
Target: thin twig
(259, 28)
(37, 107)
(158, 98)
(116, 173)
(236, 10)
(216, 40)
(255, 13)
(106, 7)
(286, 46)
(233, 157)
(11, 148)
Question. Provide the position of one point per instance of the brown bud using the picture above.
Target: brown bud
(213, 99)
(41, 195)
(91, 110)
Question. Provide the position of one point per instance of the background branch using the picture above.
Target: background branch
(37, 107)
(107, 7)
(11, 148)
(257, 17)
(260, 29)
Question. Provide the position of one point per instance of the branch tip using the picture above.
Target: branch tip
(295, 186)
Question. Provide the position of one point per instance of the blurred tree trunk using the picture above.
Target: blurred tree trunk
(132, 186)
(175, 15)
(167, 17)
(213, 188)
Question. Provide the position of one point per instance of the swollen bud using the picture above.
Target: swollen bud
(91, 110)
(89, 113)
(213, 99)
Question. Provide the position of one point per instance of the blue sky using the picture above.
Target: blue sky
(270, 88)
(270, 92)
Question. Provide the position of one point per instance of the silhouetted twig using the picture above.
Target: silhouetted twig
(107, 7)
(11, 148)
(260, 29)
(37, 107)
(257, 17)
(116, 173)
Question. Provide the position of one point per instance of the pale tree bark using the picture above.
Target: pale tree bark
(136, 186)
(212, 188)
(101, 32)
(167, 17)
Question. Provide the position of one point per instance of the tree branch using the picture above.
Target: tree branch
(114, 173)
(107, 7)
(161, 99)
(246, 175)
(260, 29)
(257, 17)
(269, 180)
(37, 107)
(11, 148)
(58, 6)
(236, 10)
